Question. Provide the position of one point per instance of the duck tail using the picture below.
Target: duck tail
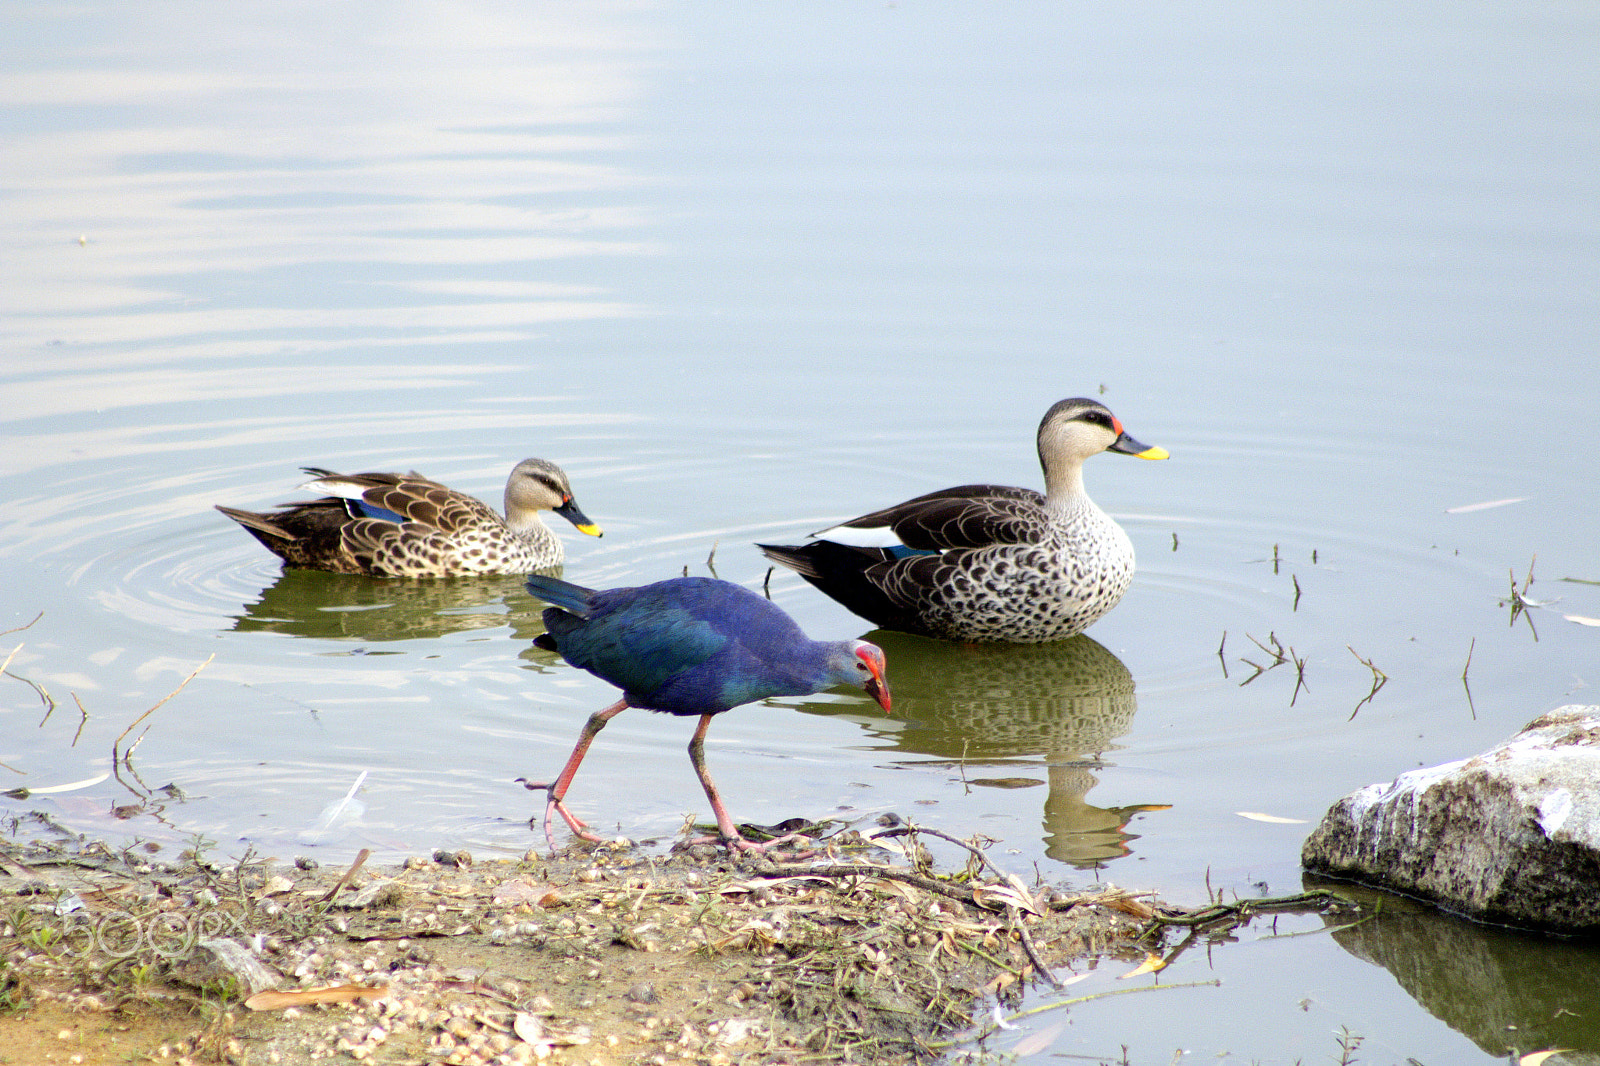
(793, 557)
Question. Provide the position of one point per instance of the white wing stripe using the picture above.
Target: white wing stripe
(858, 537)
(333, 487)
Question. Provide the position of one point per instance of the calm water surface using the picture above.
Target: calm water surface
(743, 273)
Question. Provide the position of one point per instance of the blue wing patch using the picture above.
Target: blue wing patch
(900, 551)
(363, 509)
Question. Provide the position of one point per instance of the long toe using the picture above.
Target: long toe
(737, 843)
(579, 828)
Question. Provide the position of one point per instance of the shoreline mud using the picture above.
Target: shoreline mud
(600, 954)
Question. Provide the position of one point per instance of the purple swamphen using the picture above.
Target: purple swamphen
(690, 645)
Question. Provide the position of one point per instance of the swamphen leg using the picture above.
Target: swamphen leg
(697, 759)
(557, 789)
(725, 826)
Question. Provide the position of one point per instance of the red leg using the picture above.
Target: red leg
(725, 826)
(557, 789)
(697, 759)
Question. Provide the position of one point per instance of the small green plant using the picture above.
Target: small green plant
(13, 991)
(199, 844)
(44, 938)
(136, 978)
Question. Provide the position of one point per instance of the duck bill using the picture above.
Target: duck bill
(1128, 446)
(570, 512)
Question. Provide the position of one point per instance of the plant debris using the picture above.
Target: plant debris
(601, 953)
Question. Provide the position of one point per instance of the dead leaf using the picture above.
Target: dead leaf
(895, 847)
(1256, 816)
(1469, 507)
(1582, 620)
(998, 897)
(302, 997)
(1072, 979)
(1034, 1043)
(525, 893)
(528, 1027)
(735, 1030)
(1031, 905)
(755, 884)
(1127, 905)
(1536, 1058)
(1151, 964)
(1001, 981)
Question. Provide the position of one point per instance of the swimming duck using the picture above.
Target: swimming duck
(404, 525)
(987, 562)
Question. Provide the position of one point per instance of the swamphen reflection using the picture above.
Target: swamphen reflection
(691, 645)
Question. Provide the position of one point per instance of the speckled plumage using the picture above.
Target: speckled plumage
(987, 562)
(404, 525)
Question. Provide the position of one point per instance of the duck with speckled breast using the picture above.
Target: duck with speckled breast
(404, 525)
(987, 562)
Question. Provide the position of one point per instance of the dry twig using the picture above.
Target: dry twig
(361, 857)
(1379, 679)
(117, 743)
(1464, 684)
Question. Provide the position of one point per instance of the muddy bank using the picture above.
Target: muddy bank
(864, 953)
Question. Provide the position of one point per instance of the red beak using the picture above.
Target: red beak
(878, 685)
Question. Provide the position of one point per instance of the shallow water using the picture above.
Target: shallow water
(743, 273)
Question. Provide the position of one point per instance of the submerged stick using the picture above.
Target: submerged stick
(911, 830)
(83, 718)
(1300, 678)
(1021, 929)
(1379, 679)
(19, 629)
(888, 873)
(116, 744)
(1244, 909)
(939, 1045)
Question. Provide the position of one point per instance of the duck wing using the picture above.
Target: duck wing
(967, 516)
(889, 565)
(400, 498)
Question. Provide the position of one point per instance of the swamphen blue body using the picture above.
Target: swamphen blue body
(690, 646)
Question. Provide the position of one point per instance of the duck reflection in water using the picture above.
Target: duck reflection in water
(324, 606)
(995, 705)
